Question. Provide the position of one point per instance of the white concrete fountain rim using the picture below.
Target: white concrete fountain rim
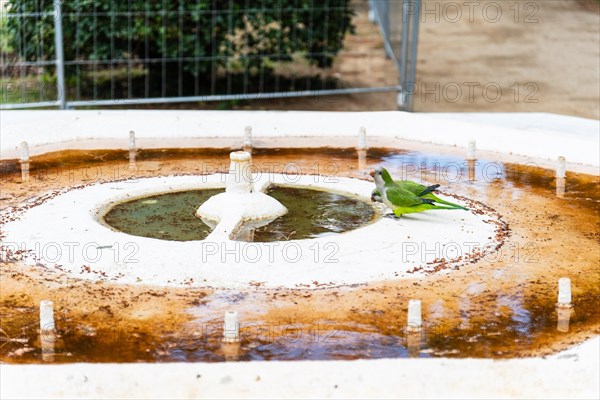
(387, 249)
(240, 202)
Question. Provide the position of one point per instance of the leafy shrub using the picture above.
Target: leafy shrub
(194, 37)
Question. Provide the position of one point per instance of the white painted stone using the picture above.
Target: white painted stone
(471, 149)
(561, 167)
(46, 315)
(231, 327)
(239, 179)
(170, 263)
(414, 315)
(574, 373)
(239, 202)
(24, 160)
(248, 136)
(575, 138)
(362, 139)
(24, 148)
(564, 292)
(132, 146)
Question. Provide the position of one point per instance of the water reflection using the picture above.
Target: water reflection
(560, 187)
(518, 314)
(413, 341)
(362, 159)
(231, 351)
(132, 156)
(564, 318)
(441, 168)
(516, 323)
(471, 167)
(47, 340)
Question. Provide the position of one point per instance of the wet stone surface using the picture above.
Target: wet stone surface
(501, 306)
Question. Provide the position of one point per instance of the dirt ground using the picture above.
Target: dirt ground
(498, 56)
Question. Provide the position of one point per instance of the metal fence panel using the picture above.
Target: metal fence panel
(399, 24)
(103, 53)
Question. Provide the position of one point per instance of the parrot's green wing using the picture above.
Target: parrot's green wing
(416, 188)
(376, 197)
(400, 197)
(428, 190)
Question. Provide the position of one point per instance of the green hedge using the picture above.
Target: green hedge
(195, 35)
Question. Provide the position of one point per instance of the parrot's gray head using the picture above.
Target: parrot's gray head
(377, 174)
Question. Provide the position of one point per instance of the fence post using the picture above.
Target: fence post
(403, 55)
(385, 25)
(414, 41)
(372, 12)
(411, 13)
(60, 56)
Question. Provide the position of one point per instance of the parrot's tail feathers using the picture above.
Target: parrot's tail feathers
(427, 201)
(452, 205)
(445, 208)
(428, 190)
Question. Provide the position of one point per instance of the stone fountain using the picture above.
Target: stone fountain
(240, 203)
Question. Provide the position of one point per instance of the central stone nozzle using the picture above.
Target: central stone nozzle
(240, 203)
(239, 179)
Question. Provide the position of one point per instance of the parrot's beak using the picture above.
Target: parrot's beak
(372, 173)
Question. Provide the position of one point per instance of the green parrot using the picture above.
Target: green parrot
(400, 200)
(415, 188)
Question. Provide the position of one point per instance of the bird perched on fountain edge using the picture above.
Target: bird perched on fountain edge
(406, 197)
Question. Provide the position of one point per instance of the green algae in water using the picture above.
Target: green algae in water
(168, 216)
(172, 216)
(314, 213)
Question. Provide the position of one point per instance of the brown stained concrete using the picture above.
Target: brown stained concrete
(550, 238)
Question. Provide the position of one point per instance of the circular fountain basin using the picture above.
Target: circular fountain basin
(311, 214)
(66, 231)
